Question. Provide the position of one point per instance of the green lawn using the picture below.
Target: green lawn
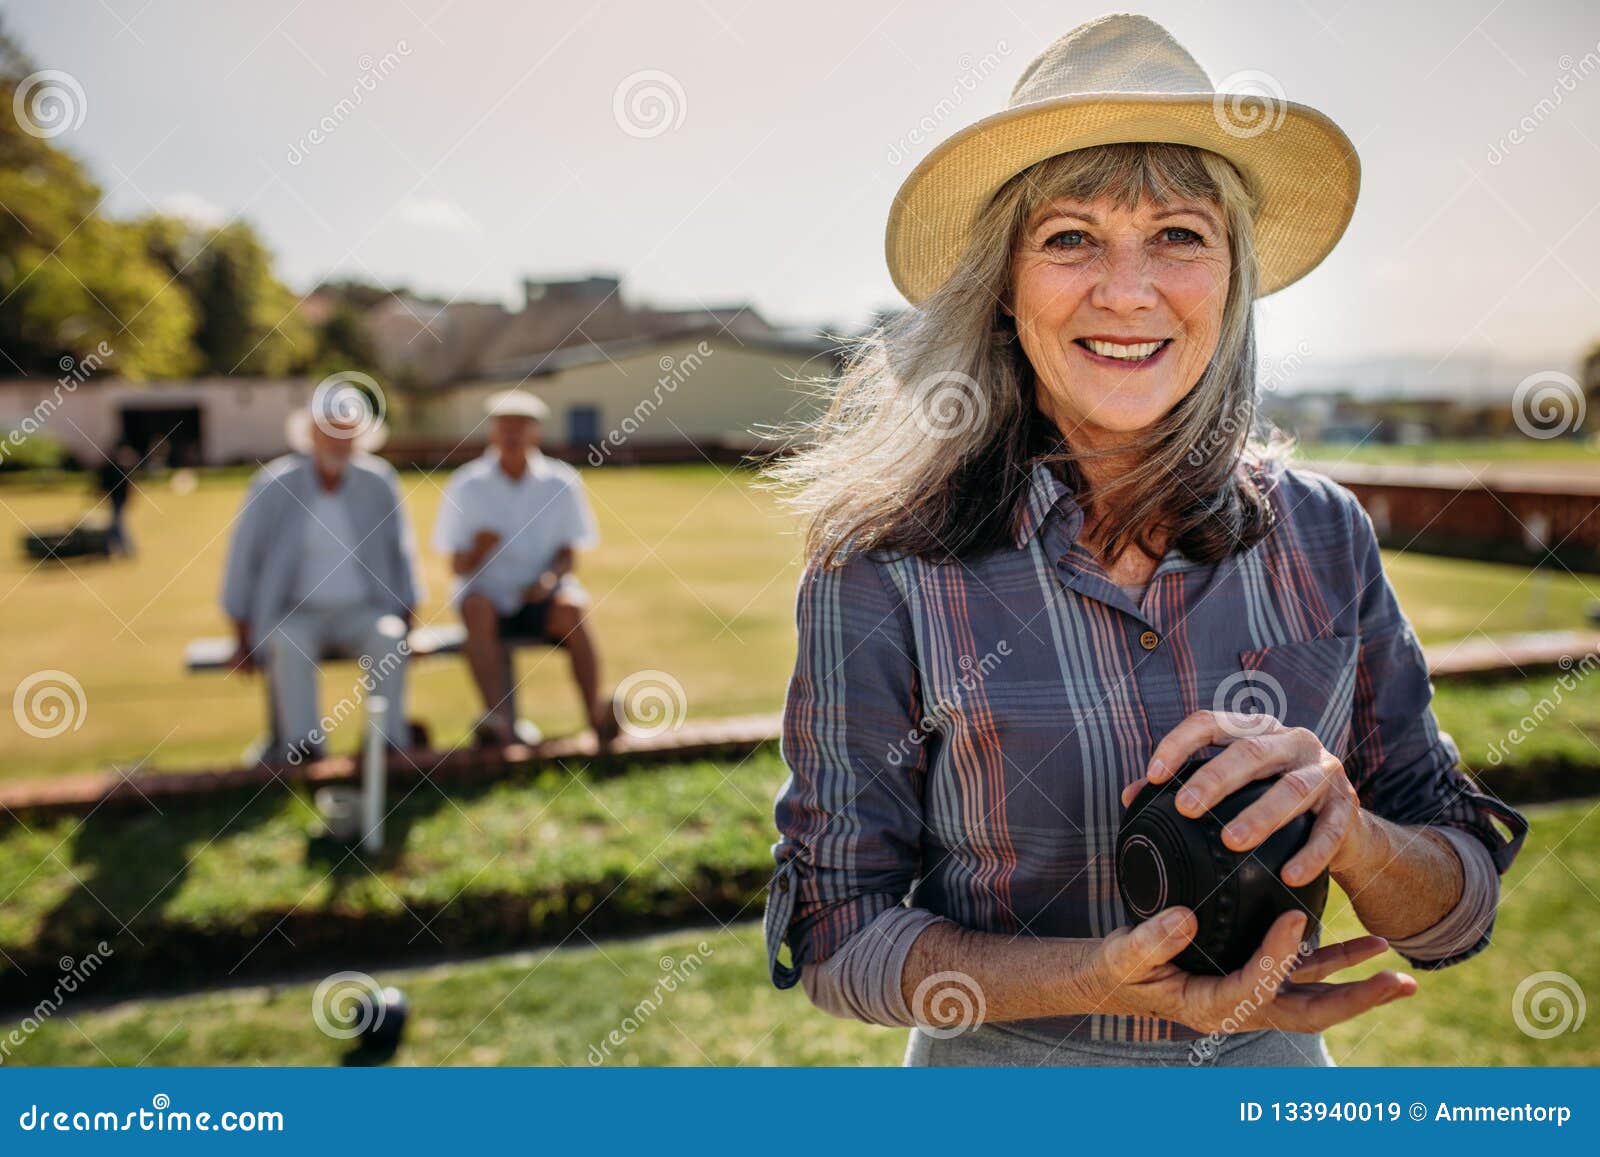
(553, 1008)
(695, 577)
(232, 884)
(1531, 452)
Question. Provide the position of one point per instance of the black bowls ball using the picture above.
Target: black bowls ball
(388, 1021)
(1164, 859)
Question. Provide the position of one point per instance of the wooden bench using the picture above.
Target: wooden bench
(215, 654)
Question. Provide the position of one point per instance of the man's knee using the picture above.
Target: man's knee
(385, 644)
(284, 652)
(564, 619)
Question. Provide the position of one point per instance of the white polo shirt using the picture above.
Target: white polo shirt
(535, 516)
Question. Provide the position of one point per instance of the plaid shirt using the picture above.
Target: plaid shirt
(960, 733)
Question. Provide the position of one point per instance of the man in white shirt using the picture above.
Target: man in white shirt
(511, 522)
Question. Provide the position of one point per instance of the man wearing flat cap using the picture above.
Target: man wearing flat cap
(512, 522)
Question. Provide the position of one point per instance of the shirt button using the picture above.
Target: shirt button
(783, 882)
(1148, 640)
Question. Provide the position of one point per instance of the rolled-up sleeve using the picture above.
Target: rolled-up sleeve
(849, 816)
(1402, 766)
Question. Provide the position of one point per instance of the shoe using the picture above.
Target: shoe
(607, 727)
(491, 731)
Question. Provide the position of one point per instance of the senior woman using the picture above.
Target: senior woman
(1047, 551)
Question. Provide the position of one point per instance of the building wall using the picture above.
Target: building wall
(709, 390)
(241, 419)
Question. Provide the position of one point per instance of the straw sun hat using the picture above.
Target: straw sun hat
(1123, 78)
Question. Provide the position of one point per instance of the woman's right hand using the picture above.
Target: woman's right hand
(1133, 974)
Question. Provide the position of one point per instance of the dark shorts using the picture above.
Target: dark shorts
(528, 622)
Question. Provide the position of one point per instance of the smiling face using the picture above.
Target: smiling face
(1118, 310)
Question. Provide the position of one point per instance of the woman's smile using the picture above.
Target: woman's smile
(1121, 354)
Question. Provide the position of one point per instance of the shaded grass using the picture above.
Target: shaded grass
(552, 1008)
(234, 886)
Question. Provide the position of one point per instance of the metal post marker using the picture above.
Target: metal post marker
(373, 773)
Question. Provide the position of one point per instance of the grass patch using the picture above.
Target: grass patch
(695, 576)
(552, 1008)
(1557, 728)
(233, 887)
(1533, 453)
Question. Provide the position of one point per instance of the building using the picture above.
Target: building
(627, 383)
(1401, 399)
(701, 394)
(204, 421)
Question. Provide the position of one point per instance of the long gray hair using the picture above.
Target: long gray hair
(932, 431)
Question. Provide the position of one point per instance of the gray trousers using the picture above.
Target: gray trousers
(999, 1044)
(306, 636)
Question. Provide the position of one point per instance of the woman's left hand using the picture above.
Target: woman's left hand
(1310, 778)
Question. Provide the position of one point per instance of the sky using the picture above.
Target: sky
(729, 151)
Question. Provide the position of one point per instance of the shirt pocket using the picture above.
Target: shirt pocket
(1310, 683)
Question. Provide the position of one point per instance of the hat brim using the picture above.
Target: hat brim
(1302, 168)
(297, 432)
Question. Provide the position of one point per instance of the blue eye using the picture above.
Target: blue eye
(1192, 238)
(1055, 242)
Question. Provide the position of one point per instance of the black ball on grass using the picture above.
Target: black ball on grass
(388, 1020)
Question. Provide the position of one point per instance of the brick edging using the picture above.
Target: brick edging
(729, 738)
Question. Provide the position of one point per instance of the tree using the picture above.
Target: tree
(248, 321)
(74, 284)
